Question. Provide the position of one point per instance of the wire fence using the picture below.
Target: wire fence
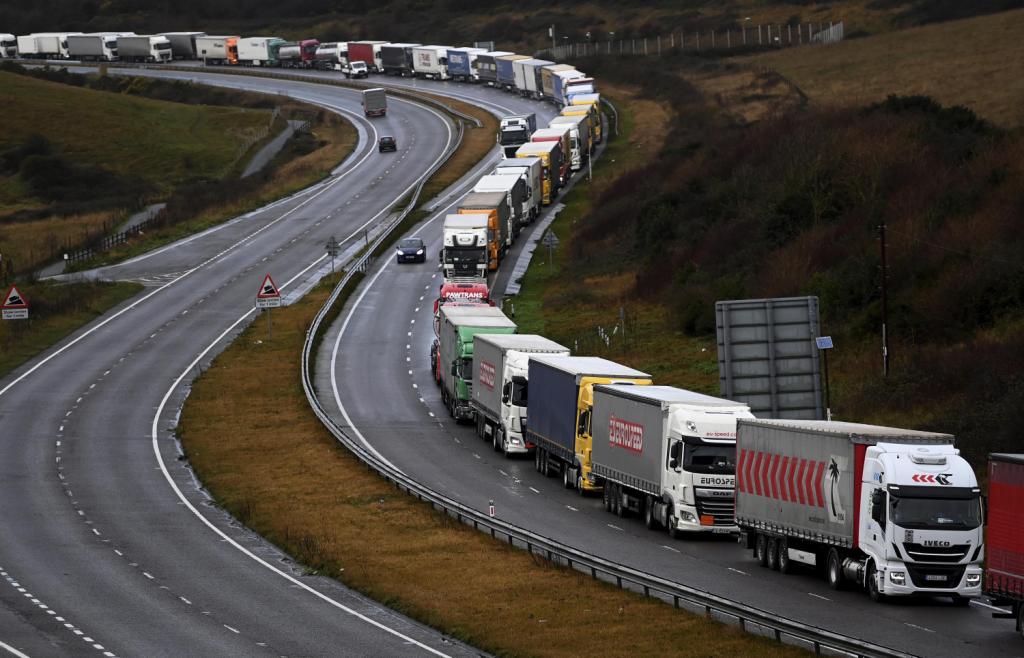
(746, 37)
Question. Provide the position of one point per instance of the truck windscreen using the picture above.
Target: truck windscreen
(511, 136)
(935, 513)
(464, 255)
(709, 459)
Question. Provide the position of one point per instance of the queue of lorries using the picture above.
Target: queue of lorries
(896, 512)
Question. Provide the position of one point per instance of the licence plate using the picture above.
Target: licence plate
(721, 531)
(934, 577)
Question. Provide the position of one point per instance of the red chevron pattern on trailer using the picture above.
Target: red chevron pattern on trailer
(779, 477)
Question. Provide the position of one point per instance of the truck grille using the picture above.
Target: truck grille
(722, 510)
(936, 577)
(922, 553)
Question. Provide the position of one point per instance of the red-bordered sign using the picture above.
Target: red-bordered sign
(269, 295)
(15, 306)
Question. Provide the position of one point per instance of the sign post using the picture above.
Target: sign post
(824, 344)
(15, 306)
(269, 297)
(332, 250)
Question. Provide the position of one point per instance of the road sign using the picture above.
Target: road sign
(269, 295)
(823, 342)
(15, 306)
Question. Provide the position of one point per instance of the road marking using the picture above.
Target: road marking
(534, 490)
(572, 508)
(233, 630)
(147, 575)
(11, 650)
(744, 573)
(819, 596)
(674, 550)
(185, 601)
(476, 455)
(922, 628)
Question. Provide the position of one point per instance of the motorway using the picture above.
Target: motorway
(108, 536)
(387, 329)
(111, 547)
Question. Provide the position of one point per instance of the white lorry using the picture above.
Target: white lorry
(96, 47)
(216, 50)
(667, 454)
(500, 386)
(581, 145)
(259, 51)
(464, 251)
(430, 62)
(531, 171)
(144, 48)
(897, 512)
(528, 77)
(44, 45)
(8, 46)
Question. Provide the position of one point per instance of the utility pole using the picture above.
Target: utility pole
(885, 303)
(551, 33)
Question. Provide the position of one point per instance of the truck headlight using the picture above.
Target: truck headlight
(973, 579)
(687, 517)
(897, 578)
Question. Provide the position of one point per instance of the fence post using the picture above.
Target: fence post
(759, 42)
(645, 45)
(672, 39)
(659, 44)
(790, 28)
(682, 41)
(712, 39)
(800, 33)
(698, 41)
(728, 38)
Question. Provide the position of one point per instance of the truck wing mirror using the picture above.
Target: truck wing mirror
(506, 392)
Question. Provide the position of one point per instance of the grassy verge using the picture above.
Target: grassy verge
(973, 62)
(56, 312)
(285, 477)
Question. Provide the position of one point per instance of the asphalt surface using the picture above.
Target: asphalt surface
(387, 329)
(111, 547)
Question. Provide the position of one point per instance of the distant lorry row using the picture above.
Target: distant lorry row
(528, 76)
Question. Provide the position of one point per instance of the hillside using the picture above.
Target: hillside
(62, 144)
(519, 25)
(975, 62)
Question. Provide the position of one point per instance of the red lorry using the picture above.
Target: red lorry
(1004, 571)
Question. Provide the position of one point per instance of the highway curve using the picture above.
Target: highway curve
(110, 547)
(386, 329)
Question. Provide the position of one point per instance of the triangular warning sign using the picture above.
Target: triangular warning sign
(14, 299)
(268, 290)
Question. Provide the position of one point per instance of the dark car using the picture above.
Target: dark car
(387, 143)
(412, 250)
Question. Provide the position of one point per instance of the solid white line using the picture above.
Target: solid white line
(12, 650)
(907, 623)
(985, 605)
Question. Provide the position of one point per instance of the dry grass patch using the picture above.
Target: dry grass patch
(32, 244)
(289, 480)
(974, 62)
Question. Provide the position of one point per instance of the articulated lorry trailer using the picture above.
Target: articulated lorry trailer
(550, 154)
(514, 131)
(1004, 568)
(216, 50)
(514, 189)
(368, 52)
(183, 44)
(500, 386)
(458, 325)
(97, 47)
(527, 76)
(581, 145)
(8, 46)
(549, 73)
(375, 102)
(430, 62)
(485, 68)
(666, 454)
(298, 54)
(144, 48)
(465, 240)
(531, 171)
(462, 63)
(495, 206)
(44, 45)
(397, 58)
(591, 105)
(506, 73)
(897, 512)
(561, 401)
(260, 51)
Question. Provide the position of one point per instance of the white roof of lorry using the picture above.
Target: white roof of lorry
(854, 431)
(590, 365)
(670, 395)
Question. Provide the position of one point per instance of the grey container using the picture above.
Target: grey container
(489, 353)
(183, 44)
(86, 45)
(134, 46)
(638, 418)
(797, 477)
(486, 201)
(554, 392)
(397, 57)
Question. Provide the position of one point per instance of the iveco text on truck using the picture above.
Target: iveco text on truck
(897, 512)
(500, 386)
(458, 326)
(561, 399)
(666, 454)
(1004, 568)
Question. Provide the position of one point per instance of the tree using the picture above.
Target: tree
(833, 475)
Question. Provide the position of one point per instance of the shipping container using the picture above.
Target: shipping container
(430, 62)
(397, 58)
(1004, 567)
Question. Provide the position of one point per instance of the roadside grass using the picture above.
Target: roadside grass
(284, 476)
(158, 142)
(336, 138)
(32, 244)
(57, 310)
(476, 143)
(974, 62)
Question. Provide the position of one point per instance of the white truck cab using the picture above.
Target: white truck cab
(921, 522)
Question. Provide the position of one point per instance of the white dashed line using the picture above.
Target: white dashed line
(233, 630)
(738, 571)
(572, 508)
(534, 490)
(614, 527)
(922, 628)
(818, 596)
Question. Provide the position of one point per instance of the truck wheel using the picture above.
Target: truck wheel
(605, 494)
(566, 480)
(649, 519)
(872, 579)
(834, 569)
(673, 530)
(536, 459)
(773, 553)
(496, 438)
(579, 485)
(761, 549)
(785, 565)
(1020, 617)
(620, 509)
